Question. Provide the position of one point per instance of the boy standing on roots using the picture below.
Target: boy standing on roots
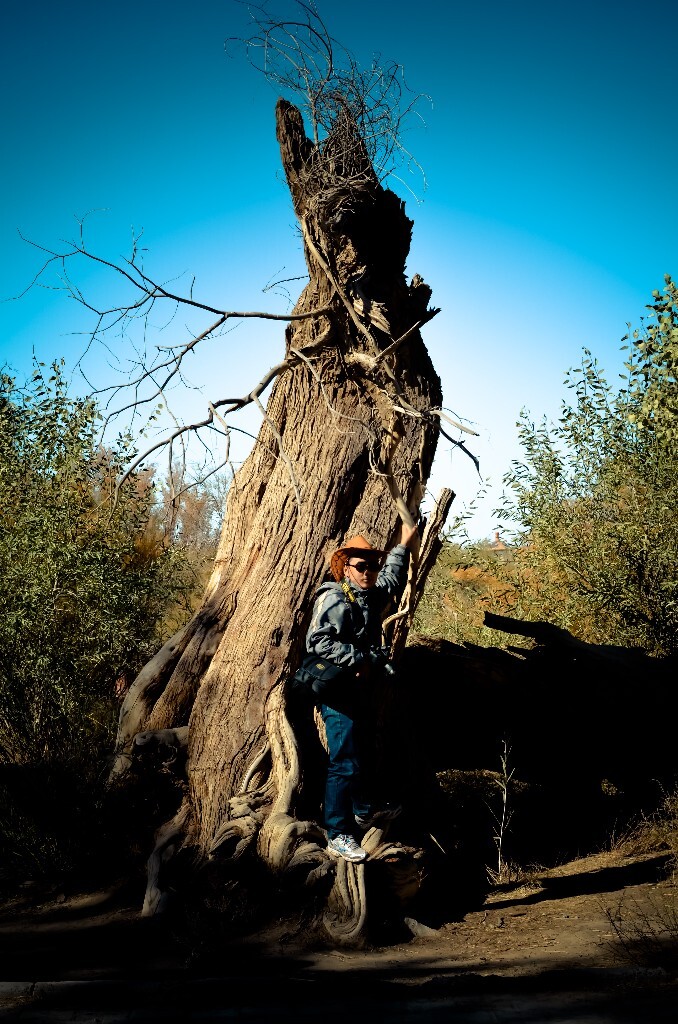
(346, 629)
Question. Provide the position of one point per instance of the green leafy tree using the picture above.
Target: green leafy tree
(84, 583)
(653, 366)
(188, 517)
(596, 499)
(467, 580)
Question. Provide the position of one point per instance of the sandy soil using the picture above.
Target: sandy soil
(595, 940)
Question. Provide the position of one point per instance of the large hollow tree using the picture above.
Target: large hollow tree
(346, 446)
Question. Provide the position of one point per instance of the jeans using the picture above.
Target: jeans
(343, 793)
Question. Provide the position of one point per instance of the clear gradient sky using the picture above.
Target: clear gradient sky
(549, 149)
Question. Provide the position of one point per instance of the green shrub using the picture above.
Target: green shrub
(595, 499)
(594, 506)
(82, 591)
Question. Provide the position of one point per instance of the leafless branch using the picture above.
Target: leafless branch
(448, 419)
(357, 117)
(462, 447)
(203, 478)
(166, 366)
(300, 57)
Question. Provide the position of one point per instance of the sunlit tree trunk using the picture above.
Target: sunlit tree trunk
(336, 424)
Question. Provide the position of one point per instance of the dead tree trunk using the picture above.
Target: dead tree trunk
(360, 400)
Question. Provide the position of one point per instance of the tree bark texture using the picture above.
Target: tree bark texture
(335, 420)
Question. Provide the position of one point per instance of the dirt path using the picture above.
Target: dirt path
(549, 951)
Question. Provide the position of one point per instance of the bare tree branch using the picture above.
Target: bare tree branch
(357, 117)
(448, 419)
(301, 58)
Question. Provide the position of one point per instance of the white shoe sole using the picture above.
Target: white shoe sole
(343, 856)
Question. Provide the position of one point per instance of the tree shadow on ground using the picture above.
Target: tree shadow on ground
(148, 968)
(599, 880)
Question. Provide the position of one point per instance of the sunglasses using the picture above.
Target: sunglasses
(372, 566)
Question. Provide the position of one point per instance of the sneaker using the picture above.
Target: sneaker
(346, 847)
(387, 812)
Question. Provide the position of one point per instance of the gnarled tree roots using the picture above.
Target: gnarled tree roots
(261, 823)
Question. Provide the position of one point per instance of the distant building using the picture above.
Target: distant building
(503, 551)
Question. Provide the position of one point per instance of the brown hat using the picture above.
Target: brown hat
(355, 546)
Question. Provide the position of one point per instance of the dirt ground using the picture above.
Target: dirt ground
(592, 941)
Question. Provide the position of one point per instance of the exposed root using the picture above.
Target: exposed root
(310, 854)
(235, 837)
(403, 870)
(250, 804)
(372, 840)
(346, 913)
(166, 746)
(262, 818)
(285, 769)
(255, 766)
(168, 840)
(142, 695)
(246, 812)
(280, 837)
(283, 837)
(163, 692)
(288, 844)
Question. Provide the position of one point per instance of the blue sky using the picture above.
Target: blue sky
(549, 216)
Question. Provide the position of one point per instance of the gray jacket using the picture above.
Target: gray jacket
(343, 631)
